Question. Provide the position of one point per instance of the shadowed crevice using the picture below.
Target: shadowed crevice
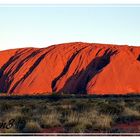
(32, 68)
(4, 79)
(98, 52)
(77, 83)
(65, 69)
(29, 72)
(25, 60)
(138, 58)
(11, 60)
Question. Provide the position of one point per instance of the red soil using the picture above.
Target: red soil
(53, 130)
(131, 127)
(71, 68)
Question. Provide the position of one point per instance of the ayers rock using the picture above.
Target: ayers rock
(77, 68)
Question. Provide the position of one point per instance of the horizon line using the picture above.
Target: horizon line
(55, 44)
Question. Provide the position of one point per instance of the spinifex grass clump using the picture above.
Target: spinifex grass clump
(88, 114)
(50, 119)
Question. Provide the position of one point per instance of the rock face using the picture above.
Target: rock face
(77, 68)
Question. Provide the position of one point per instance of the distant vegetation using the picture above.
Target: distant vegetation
(68, 114)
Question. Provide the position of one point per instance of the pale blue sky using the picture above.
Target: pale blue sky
(42, 26)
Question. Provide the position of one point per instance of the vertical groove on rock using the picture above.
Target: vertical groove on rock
(84, 76)
(138, 58)
(65, 69)
(4, 77)
(32, 68)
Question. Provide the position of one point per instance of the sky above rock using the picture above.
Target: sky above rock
(44, 25)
